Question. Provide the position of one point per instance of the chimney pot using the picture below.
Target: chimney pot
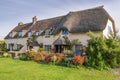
(20, 23)
(34, 19)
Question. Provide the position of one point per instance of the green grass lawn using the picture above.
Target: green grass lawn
(28, 70)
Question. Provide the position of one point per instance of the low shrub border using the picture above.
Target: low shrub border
(53, 58)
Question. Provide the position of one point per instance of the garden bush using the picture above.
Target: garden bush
(48, 58)
(43, 56)
(78, 60)
(54, 58)
(60, 57)
(23, 57)
(41, 50)
(67, 62)
(69, 53)
(37, 57)
(2, 44)
(6, 55)
(31, 53)
(102, 53)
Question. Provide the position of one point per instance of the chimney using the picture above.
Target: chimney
(34, 20)
(20, 23)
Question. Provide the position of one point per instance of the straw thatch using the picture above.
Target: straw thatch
(94, 19)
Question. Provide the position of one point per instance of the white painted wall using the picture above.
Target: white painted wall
(108, 29)
(45, 40)
(82, 37)
(17, 41)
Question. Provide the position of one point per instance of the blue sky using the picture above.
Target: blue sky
(14, 11)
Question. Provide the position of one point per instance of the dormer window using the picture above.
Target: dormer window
(37, 33)
(47, 33)
(29, 34)
(65, 32)
(109, 29)
(19, 34)
(10, 35)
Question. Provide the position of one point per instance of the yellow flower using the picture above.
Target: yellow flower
(5, 54)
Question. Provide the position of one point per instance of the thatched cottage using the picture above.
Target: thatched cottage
(54, 34)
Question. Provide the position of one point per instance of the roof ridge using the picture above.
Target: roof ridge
(50, 18)
(87, 9)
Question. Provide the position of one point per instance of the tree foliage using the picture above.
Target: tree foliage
(103, 53)
(2, 45)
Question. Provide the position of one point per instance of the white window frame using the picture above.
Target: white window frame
(47, 33)
(29, 34)
(37, 33)
(10, 34)
(20, 34)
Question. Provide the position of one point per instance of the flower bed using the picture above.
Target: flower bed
(54, 58)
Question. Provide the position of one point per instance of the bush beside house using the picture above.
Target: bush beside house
(103, 53)
(53, 58)
(2, 45)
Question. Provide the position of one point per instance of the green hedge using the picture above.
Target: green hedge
(103, 53)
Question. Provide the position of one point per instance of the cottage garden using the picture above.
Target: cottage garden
(101, 54)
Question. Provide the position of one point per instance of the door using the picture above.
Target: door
(58, 48)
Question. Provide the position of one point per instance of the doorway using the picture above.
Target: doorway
(60, 48)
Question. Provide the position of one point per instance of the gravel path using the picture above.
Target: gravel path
(117, 71)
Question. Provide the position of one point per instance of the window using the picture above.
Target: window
(48, 48)
(65, 32)
(109, 29)
(77, 49)
(10, 35)
(19, 46)
(11, 45)
(19, 34)
(47, 33)
(37, 33)
(29, 34)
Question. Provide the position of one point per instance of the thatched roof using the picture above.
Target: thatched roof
(22, 27)
(94, 19)
(47, 23)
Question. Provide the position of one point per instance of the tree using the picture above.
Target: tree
(103, 52)
(2, 45)
(31, 40)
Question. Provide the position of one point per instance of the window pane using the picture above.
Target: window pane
(47, 32)
(20, 34)
(37, 33)
(29, 34)
(48, 48)
(10, 35)
(64, 32)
